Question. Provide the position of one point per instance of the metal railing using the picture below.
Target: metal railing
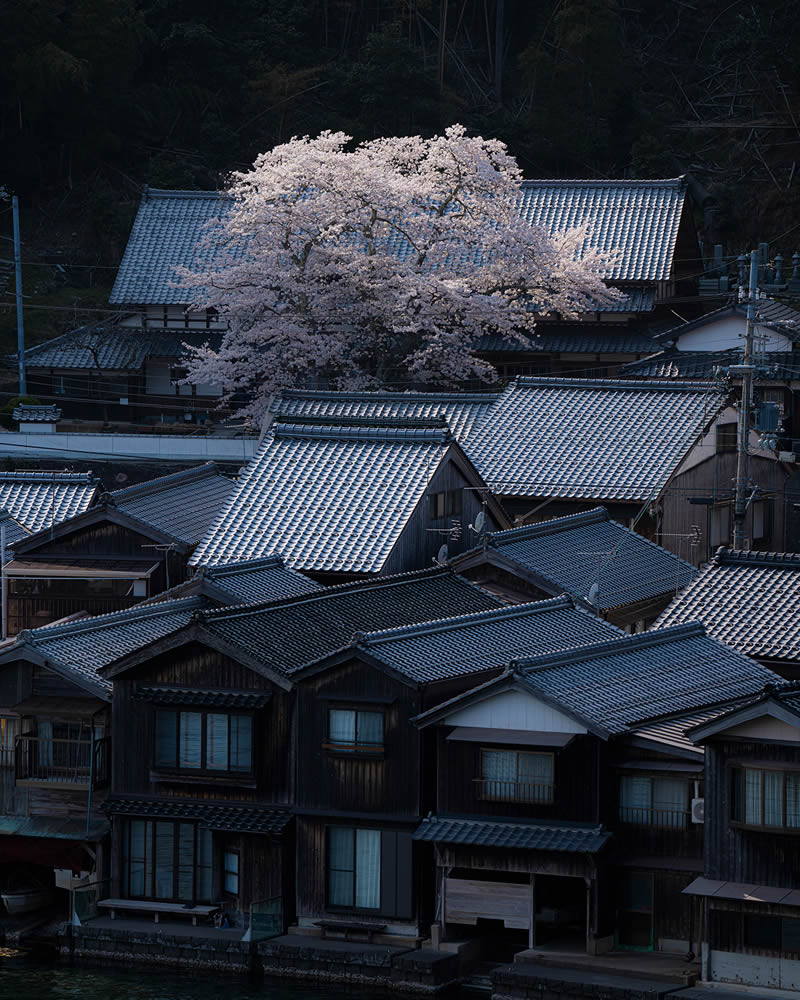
(59, 761)
(671, 819)
(493, 790)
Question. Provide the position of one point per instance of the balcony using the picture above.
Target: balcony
(659, 832)
(493, 790)
(77, 765)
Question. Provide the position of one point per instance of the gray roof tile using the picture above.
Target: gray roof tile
(31, 413)
(260, 580)
(748, 600)
(635, 221)
(435, 650)
(183, 504)
(530, 835)
(565, 338)
(461, 411)
(573, 553)
(289, 634)
(620, 684)
(329, 499)
(672, 732)
(209, 697)
(770, 313)
(39, 499)
(593, 439)
(220, 816)
(702, 364)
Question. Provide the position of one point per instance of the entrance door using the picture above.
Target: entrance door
(635, 912)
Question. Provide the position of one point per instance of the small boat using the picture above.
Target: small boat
(25, 900)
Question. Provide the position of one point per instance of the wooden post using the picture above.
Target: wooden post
(444, 905)
(532, 927)
(588, 913)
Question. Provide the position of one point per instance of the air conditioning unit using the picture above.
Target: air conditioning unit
(698, 810)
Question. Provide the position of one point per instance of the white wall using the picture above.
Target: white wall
(727, 333)
(514, 710)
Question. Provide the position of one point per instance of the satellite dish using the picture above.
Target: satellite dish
(594, 593)
(441, 556)
(480, 521)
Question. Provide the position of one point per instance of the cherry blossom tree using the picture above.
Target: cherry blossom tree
(384, 262)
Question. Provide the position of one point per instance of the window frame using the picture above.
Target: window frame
(204, 771)
(686, 813)
(483, 781)
(344, 908)
(154, 822)
(736, 773)
(355, 749)
(451, 504)
(231, 853)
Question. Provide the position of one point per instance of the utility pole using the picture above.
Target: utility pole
(746, 369)
(23, 388)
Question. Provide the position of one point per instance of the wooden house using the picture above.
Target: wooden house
(597, 561)
(365, 774)
(747, 902)
(345, 497)
(749, 601)
(564, 792)
(214, 707)
(131, 544)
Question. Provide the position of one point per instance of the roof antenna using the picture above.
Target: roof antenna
(441, 556)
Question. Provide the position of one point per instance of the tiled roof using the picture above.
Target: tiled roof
(582, 438)
(748, 600)
(637, 220)
(328, 498)
(575, 552)
(291, 633)
(769, 313)
(617, 684)
(209, 697)
(702, 364)
(39, 499)
(461, 411)
(82, 647)
(571, 339)
(672, 732)
(259, 580)
(530, 835)
(183, 504)
(30, 413)
(15, 531)
(115, 348)
(220, 816)
(471, 643)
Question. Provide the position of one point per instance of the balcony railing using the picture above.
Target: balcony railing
(6, 756)
(670, 819)
(62, 762)
(493, 790)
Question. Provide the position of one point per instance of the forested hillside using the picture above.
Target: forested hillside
(98, 97)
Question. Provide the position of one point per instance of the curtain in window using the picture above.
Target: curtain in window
(204, 866)
(340, 866)
(241, 743)
(165, 860)
(185, 861)
(535, 775)
(634, 799)
(231, 872)
(793, 800)
(44, 730)
(752, 796)
(137, 863)
(669, 802)
(773, 798)
(499, 771)
(166, 738)
(341, 726)
(370, 729)
(368, 869)
(217, 742)
(191, 739)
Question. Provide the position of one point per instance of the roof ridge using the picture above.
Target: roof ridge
(243, 566)
(458, 621)
(662, 385)
(332, 430)
(395, 395)
(599, 650)
(149, 192)
(160, 483)
(677, 182)
(47, 632)
(725, 556)
(551, 527)
(48, 477)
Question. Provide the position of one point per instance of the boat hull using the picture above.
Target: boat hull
(25, 900)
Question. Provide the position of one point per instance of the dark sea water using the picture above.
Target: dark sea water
(26, 980)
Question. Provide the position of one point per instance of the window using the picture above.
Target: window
(765, 798)
(166, 860)
(230, 872)
(354, 731)
(720, 527)
(654, 801)
(9, 730)
(516, 776)
(762, 520)
(354, 868)
(446, 504)
(210, 742)
(772, 933)
(727, 437)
